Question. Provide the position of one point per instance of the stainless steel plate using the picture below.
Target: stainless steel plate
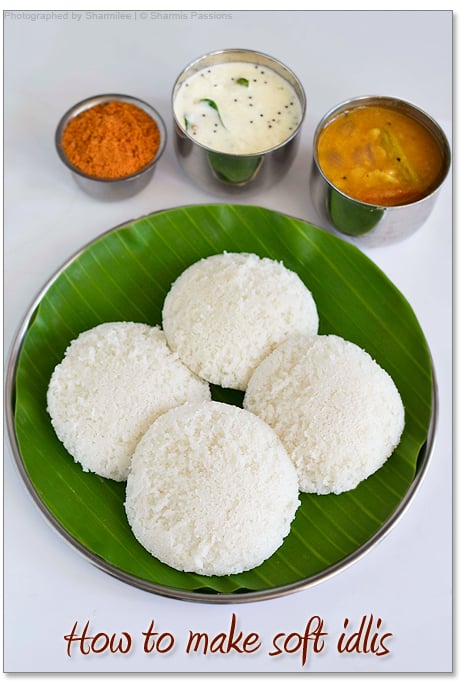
(162, 244)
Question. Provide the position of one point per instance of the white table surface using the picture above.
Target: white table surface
(50, 63)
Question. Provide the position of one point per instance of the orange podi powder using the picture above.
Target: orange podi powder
(380, 156)
(111, 140)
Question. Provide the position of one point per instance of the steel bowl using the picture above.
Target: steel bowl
(374, 225)
(119, 188)
(219, 172)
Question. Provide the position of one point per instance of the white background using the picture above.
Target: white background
(49, 65)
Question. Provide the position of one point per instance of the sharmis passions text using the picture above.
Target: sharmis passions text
(193, 15)
(87, 15)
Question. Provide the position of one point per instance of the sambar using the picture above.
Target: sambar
(380, 155)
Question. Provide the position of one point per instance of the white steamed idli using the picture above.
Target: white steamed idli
(338, 413)
(211, 489)
(113, 381)
(225, 313)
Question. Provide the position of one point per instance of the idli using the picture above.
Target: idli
(227, 312)
(211, 489)
(113, 381)
(337, 412)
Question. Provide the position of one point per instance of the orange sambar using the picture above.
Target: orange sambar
(380, 156)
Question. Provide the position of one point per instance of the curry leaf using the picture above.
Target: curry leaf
(214, 106)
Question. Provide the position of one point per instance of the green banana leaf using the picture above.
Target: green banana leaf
(125, 275)
(234, 169)
(352, 218)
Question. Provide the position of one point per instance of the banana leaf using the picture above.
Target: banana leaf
(351, 217)
(125, 275)
(235, 169)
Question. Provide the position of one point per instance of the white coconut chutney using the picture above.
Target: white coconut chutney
(238, 108)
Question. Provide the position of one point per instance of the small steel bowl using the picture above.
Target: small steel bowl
(219, 172)
(119, 188)
(373, 225)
